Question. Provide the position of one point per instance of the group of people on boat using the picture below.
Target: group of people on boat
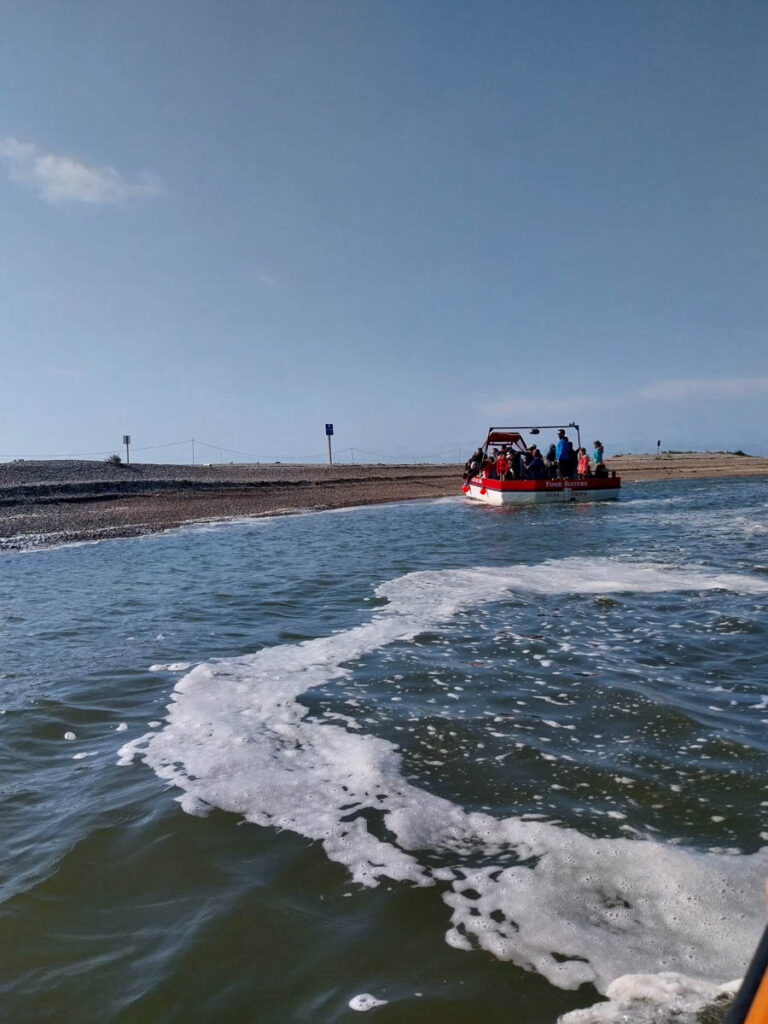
(562, 460)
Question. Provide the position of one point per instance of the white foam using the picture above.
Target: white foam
(365, 1001)
(593, 908)
(236, 738)
(34, 543)
(652, 998)
(750, 527)
(632, 503)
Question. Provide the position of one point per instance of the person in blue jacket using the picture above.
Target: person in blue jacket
(564, 452)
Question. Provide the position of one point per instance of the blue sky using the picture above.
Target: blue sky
(238, 221)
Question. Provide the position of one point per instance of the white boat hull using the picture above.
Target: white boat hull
(535, 492)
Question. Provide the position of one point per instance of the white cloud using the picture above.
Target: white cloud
(714, 387)
(65, 179)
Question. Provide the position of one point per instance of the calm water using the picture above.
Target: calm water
(474, 762)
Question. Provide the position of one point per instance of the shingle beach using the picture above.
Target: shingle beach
(55, 502)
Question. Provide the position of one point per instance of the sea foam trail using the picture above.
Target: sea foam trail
(580, 909)
(654, 999)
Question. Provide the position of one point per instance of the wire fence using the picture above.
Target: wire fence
(195, 447)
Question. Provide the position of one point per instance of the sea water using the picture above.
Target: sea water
(431, 761)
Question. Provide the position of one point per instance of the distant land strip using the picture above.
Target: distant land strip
(44, 503)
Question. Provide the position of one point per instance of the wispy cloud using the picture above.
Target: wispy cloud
(59, 178)
(542, 408)
(713, 387)
(268, 280)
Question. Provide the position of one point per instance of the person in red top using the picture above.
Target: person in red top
(583, 467)
(502, 465)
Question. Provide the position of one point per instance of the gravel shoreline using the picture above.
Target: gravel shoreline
(58, 502)
(52, 503)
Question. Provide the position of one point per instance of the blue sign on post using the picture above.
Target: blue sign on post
(328, 434)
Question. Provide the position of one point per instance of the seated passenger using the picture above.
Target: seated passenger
(489, 468)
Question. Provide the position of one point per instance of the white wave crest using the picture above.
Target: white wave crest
(237, 738)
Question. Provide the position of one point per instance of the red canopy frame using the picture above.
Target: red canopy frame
(511, 435)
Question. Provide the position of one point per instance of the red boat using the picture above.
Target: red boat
(516, 489)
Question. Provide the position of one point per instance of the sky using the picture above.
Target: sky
(237, 221)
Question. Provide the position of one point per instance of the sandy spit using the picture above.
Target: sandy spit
(56, 502)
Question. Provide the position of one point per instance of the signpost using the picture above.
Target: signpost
(126, 442)
(329, 435)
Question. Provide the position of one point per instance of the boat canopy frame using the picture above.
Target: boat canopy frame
(512, 435)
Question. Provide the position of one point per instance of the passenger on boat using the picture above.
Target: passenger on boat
(502, 465)
(601, 470)
(489, 467)
(564, 451)
(552, 462)
(474, 464)
(536, 470)
(584, 470)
